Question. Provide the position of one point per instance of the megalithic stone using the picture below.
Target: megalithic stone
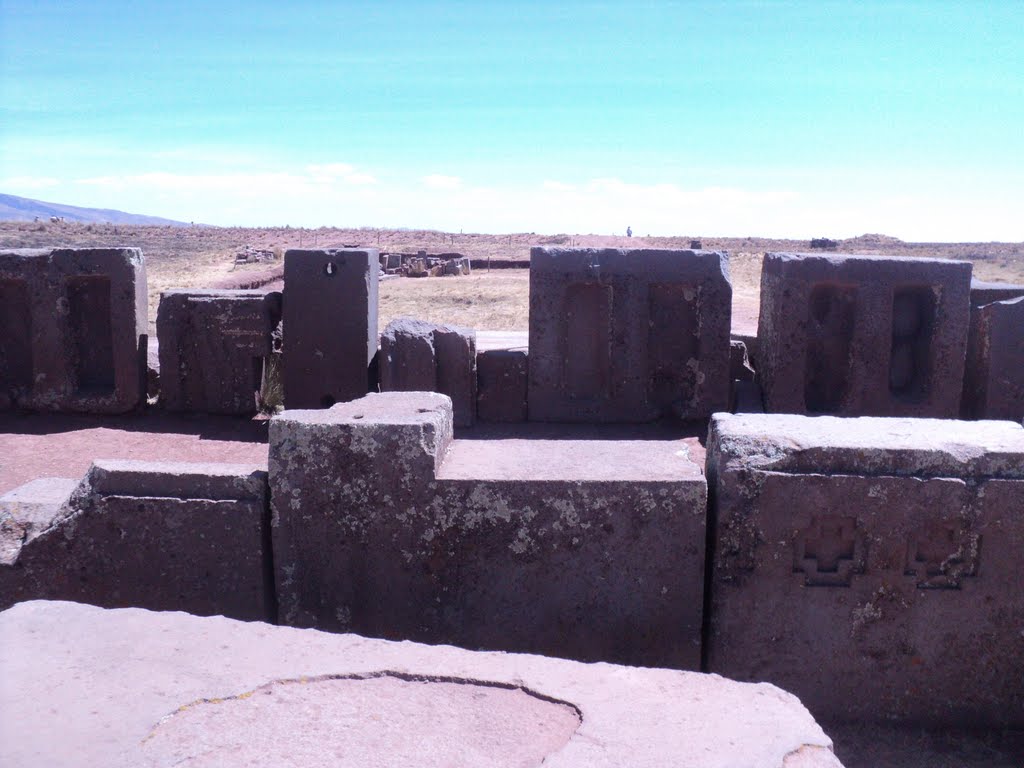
(330, 325)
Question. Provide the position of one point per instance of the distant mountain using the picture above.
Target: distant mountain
(13, 208)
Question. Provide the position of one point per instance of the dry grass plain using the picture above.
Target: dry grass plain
(201, 256)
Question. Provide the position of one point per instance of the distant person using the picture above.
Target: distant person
(629, 231)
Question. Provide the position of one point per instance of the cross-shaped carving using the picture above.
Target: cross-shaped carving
(942, 554)
(829, 551)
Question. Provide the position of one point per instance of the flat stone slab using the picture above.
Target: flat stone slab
(489, 341)
(134, 688)
(569, 460)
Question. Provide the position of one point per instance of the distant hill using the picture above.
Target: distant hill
(14, 208)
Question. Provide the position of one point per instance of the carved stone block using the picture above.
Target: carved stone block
(871, 566)
(862, 335)
(628, 335)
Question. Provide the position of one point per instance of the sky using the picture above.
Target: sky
(775, 119)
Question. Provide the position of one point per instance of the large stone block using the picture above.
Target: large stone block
(213, 347)
(330, 325)
(73, 329)
(862, 335)
(994, 379)
(383, 525)
(416, 356)
(628, 335)
(164, 536)
(131, 689)
(871, 565)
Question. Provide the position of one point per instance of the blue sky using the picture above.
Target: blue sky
(704, 118)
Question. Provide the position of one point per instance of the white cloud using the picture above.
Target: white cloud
(27, 182)
(439, 181)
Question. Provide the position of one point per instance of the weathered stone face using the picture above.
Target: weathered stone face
(994, 380)
(383, 526)
(73, 329)
(231, 693)
(862, 336)
(213, 345)
(628, 335)
(501, 374)
(872, 566)
(985, 293)
(416, 356)
(163, 536)
(330, 325)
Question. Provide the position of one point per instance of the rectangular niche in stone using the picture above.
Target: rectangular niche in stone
(628, 335)
(73, 329)
(871, 566)
(330, 325)
(862, 335)
(994, 381)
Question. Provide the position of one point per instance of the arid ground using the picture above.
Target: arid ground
(191, 257)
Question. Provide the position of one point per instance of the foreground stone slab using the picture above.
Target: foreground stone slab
(589, 549)
(862, 335)
(628, 335)
(135, 688)
(994, 381)
(871, 565)
(73, 325)
(213, 347)
(417, 356)
(167, 536)
(330, 325)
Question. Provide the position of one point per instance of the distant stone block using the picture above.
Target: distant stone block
(994, 380)
(628, 335)
(330, 325)
(163, 536)
(416, 356)
(871, 565)
(73, 329)
(385, 526)
(862, 335)
(213, 347)
(985, 293)
(502, 375)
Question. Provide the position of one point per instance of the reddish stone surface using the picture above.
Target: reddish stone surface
(994, 380)
(587, 549)
(73, 326)
(165, 536)
(416, 356)
(330, 325)
(862, 336)
(136, 688)
(872, 566)
(628, 335)
(64, 445)
(213, 345)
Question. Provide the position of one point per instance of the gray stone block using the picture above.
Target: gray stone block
(628, 335)
(385, 526)
(416, 356)
(862, 335)
(871, 565)
(330, 325)
(163, 536)
(994, 379)
(213, 347)
(73, 329)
